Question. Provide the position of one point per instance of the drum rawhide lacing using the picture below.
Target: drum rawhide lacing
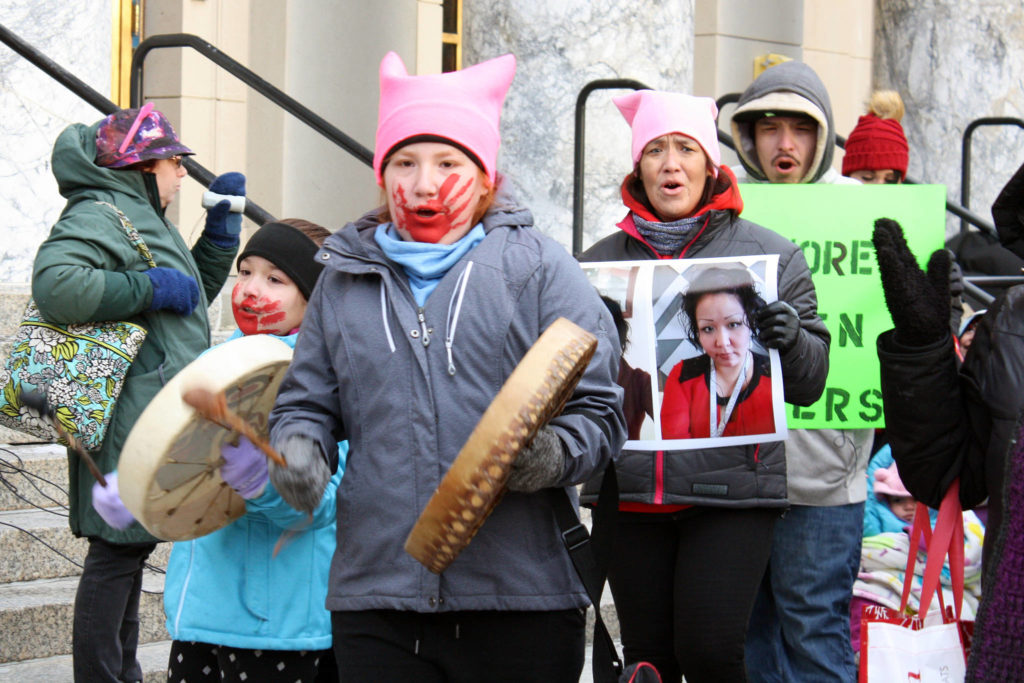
(533, 394)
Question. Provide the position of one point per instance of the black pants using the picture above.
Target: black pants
(388, 646)
(106, 623)
(197, 662)
(684, 586)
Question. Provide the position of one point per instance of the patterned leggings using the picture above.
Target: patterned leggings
(196, 662)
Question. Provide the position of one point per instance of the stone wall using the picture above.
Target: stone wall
(560, 47)
(954, 62)
(35, 108)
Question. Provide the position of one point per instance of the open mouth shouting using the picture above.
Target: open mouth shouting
(785, 164)
(431, 220)
(257, 315)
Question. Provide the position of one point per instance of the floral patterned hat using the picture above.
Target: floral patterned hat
(129, 136)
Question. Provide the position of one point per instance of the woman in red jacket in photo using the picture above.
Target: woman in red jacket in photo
(719, 313)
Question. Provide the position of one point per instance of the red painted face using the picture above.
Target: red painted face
(265, 300)
(433, 190)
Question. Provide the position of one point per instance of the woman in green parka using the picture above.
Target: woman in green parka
(86, 271)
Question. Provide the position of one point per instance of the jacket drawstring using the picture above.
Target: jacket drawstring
(453, 320)
(421, 316)
(384, 316)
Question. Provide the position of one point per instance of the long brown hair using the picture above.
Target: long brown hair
(313, 231)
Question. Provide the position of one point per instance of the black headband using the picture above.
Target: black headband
(290, 250)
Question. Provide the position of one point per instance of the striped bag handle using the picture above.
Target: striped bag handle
(133, 235)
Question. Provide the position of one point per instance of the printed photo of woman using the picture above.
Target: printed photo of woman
(725, 390)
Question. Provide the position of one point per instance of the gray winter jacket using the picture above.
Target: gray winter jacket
(825, 466)
(406, 386)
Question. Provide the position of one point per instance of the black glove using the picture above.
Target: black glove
(173, 291)
(956, 292)
(918, 302)
(540, 464)
(303, 481)
(779, 326)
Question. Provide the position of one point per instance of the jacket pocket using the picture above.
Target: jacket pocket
(256, 579)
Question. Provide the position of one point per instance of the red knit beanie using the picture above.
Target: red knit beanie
(876, 144)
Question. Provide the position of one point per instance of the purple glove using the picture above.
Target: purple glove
(244, 468)
(107, 502)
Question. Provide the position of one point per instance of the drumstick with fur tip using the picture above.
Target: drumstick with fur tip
(214, 407)
(38, 403)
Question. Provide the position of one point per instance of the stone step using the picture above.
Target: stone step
(36, 616)
(57, 669)
(37, 544)
(33, 475)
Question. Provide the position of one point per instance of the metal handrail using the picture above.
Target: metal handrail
(579, 156)
(251, 79)
(965, 158)
(90, 95)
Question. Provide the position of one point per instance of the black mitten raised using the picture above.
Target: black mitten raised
(918, 301)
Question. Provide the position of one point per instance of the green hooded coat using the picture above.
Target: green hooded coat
(88, 271)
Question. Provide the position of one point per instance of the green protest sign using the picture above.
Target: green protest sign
(832, 225)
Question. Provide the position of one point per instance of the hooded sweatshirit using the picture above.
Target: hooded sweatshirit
(88, 271)
(752, 475)
(405, 385)
(826, 466)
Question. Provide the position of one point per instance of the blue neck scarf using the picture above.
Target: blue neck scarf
(425, 263)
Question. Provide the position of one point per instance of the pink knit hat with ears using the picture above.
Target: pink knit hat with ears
(653, 113)
(461, 106)
(888, 483)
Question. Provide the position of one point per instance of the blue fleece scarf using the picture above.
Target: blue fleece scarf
(425, 263)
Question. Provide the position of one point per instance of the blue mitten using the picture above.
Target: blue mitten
(107, 502)
(222, 226)
(173, 291)
(244, 468)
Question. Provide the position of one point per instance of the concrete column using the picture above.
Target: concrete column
(954, 62)
(560, 47)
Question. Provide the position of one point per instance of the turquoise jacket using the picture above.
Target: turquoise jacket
(229, 588)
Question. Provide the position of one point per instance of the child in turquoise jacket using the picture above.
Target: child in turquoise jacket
(246, 603)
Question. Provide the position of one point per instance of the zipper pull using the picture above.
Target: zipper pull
(423, 327)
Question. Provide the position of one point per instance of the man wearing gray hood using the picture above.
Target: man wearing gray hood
(800, 628)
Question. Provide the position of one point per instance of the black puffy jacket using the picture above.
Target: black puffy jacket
(943, 423)
(752, 475)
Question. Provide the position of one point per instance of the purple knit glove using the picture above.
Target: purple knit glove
(244, 468)
(107, 502)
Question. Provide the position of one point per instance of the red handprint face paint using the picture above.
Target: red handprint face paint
(265, 300)
(433, 190)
